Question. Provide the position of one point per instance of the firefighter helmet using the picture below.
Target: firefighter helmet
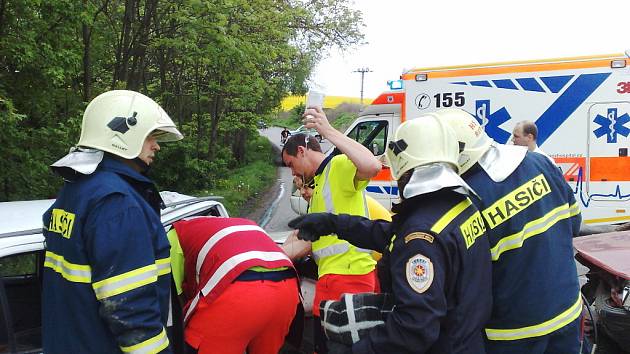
(119, 121)
(422, 141)
(473, 139)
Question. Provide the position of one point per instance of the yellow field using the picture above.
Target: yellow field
(329, 102)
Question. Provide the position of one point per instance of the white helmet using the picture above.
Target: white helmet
(421, 141)
(119, 121)
(469, 133)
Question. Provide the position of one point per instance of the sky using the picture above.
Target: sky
(405, 34)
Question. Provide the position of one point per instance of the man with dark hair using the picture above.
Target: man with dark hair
(339, 183)
(525, 134)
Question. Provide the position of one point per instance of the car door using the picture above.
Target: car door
(20, 303)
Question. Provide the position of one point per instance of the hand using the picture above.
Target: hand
(294, 248)
(312, 226)
(315, 118)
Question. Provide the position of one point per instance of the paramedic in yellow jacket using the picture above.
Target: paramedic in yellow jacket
(296, 248)
(338, 183)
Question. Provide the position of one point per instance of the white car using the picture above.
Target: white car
(304, 130)
(21, 263)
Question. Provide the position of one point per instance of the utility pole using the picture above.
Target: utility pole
(362, 71)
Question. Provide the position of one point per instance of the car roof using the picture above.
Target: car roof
(23, 219)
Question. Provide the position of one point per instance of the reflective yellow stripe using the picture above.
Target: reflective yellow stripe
(163, 266)
(151, 345)
(574, 209)
(542, 329)
(446, 219)
(125, 282)
(391, 243)
(78, 273)
(533, 228)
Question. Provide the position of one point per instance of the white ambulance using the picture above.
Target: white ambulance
(580, 105)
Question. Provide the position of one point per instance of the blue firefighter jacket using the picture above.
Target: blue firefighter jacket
(531, 218)
(106, 271)
(437, 266)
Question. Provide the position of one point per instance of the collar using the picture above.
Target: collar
(322, 166)
(112, 164)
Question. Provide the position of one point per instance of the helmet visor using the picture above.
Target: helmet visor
(167, 134)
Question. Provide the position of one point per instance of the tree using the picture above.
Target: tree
(216, 66)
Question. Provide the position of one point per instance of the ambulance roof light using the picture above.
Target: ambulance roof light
(421, 77)
(619, 63)
(395, 84)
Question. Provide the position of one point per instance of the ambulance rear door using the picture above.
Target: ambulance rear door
(606, 186)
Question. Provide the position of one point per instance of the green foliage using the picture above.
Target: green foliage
(244, 184)
(344, 120)
(217, 68)
(291, 119)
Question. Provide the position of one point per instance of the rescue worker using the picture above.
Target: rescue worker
(106, 279)
(436, 249)
(531, 215)
(240, 290)
(339, 187)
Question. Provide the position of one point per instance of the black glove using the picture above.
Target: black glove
(312, 226)
(338, 348)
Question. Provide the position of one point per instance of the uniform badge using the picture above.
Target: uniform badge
(419, 273)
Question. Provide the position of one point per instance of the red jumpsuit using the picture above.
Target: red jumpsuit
(241, 290)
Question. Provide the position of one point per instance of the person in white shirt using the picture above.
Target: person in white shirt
(525, 134)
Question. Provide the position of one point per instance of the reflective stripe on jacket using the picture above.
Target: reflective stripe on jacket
(335, 192)
(531, 218)
(217, 250)
(106, 268)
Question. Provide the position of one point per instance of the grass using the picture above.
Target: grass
(244, 185)
(344, 120)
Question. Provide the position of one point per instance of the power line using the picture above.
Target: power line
(363, 71)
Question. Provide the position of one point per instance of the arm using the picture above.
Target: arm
(414, 324)
(359, 231)
(124, 274)
(367, 164)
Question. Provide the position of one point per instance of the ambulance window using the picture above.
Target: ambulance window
(372, 135)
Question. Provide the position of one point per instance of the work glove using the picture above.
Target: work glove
(312, 226)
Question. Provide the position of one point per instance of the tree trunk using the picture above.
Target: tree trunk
(87, 63)
(140, 45)
(3, 8)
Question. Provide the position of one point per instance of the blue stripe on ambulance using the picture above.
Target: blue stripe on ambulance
(567, 103)
(382, 190)
(559, 111)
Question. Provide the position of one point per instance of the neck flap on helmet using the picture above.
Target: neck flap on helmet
(430, 178)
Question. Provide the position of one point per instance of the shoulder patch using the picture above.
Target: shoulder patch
(419, 273)
(419, 236)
